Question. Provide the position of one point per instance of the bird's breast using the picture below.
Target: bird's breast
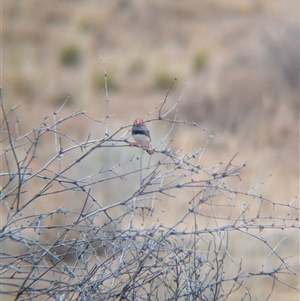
(141, 139)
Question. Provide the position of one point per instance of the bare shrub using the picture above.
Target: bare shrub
(93, 219)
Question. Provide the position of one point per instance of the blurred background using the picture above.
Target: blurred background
(239, 58)
(236, 63)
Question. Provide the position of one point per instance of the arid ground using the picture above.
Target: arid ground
(236, 63)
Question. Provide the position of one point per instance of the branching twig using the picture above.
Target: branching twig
(93, 222)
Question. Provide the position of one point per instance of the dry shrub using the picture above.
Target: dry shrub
(92, 219)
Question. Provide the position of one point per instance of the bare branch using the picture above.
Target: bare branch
(92, 219)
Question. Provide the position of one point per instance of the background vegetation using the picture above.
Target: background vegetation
(240, 60)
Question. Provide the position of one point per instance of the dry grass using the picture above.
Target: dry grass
(245, 92)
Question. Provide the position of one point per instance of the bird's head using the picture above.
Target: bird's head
(139, 121)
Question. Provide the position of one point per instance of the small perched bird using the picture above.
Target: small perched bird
(141, 135)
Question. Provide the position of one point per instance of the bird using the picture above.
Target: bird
(141, 135)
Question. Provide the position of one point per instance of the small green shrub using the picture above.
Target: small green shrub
(199, 60)
(137, 67)
(98, 81)
(70, 55)
(23, 86)
(86, 24)
(164, 80)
